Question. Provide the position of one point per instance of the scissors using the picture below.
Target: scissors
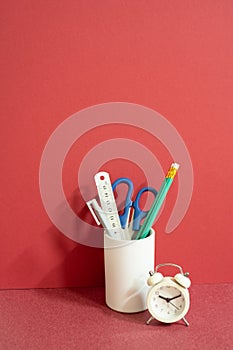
(139, 214)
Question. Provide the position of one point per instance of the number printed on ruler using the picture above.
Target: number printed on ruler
(108, 204)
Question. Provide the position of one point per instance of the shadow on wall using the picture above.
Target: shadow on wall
(52, 260)
(82, 265)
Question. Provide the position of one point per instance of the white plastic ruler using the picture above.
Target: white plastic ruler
(108, 204)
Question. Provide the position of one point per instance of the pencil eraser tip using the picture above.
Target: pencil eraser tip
(175, 165)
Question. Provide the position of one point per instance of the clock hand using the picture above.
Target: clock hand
(164, 298)
(174, 305)
(169, 299)
(177, 296)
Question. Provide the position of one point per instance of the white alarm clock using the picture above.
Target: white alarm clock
(168, 299)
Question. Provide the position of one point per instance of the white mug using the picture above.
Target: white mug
(127, 265)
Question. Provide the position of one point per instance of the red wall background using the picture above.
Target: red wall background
(58, 57)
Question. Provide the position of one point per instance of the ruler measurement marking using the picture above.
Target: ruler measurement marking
(108, 203)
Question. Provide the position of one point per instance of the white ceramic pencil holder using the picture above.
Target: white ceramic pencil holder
(127, 265)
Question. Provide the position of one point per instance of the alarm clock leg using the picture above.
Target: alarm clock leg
(185, 321)
(150, 319)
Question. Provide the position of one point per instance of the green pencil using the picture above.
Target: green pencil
(153, 212)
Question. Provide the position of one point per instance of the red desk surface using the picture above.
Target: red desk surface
(78, 318)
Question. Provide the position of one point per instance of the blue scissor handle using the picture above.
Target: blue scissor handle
(139, 214)
(128, 201)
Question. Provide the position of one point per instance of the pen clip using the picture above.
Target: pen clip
(93, 205)
(98, 214)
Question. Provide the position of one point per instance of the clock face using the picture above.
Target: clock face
(168, 303)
